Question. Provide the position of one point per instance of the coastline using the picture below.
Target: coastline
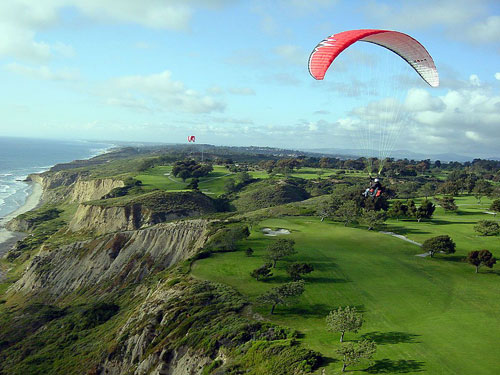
(8, 238)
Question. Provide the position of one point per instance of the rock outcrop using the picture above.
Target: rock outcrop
(111, 261)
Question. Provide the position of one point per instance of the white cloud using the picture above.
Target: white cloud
(413, 15)
(159, 92)
(420, 100)
(458, 18)
(474, 80)
(292, 54)
(173, 15)
(497, 76)
(463, 120)
(285, 79)
(472, 135)
(242, 91)
(21, 20)
(42, 72)
(485, 31)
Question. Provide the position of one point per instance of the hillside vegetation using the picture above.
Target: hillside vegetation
(128, 269)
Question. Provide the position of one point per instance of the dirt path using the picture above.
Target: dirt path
(400, 236)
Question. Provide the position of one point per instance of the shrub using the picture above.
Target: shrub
(97, 314)
(495, 205)
(263, 272)
(487, 227)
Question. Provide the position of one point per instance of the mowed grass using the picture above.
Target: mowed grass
(433, 316)
(160, 177)
(458, 225)
(308, 173)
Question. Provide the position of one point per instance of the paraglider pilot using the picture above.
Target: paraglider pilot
(374, 190)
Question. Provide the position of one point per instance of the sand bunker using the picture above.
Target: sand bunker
(270, 232)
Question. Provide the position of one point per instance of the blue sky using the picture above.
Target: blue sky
(235, 73)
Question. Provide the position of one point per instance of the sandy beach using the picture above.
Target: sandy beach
(8, 238)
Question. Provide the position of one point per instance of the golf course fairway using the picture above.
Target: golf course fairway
(427, 315)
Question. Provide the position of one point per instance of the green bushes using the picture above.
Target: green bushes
(487, 227)
(97, 314)
(225, 239)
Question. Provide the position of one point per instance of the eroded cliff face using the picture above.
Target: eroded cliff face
(73, 186)
(113, 260)
(138, 334)
(101, 219)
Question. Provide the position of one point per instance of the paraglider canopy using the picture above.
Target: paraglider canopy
(191, 138)
(383, 118)
(403, 45)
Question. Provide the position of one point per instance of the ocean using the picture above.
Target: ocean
(22, 156)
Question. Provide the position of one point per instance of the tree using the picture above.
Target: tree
(481, 189)
(184, 174)
(407, 190)
(437, 244)
(425, 211)
(412, 209)
(353, 353)
(243, 177)
(263, 272)
(398, 209)
(282, 294)
(229, 185)
(348, 212)
(343, 320)
(295, 270)
(194, 184)
(487, 227)
(480, 258)
(495, 205)
(449, 187)
(328, 207)
(373, 219)
(448, 203)
(427, 190)
(280, 248)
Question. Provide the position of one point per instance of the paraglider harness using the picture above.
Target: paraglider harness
(375, 189)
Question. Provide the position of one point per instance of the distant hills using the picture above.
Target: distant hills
(400, 154)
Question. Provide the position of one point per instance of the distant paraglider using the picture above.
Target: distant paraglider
(384, 117)
(191, 138)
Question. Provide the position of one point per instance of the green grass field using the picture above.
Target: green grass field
(432, 316)
(160, 178)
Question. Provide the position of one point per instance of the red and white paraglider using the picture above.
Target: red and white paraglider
(384, 118)
(191, 138)
(401, 44)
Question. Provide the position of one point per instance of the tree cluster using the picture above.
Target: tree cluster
(401, 209)
(190, 168)
(487, 227)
